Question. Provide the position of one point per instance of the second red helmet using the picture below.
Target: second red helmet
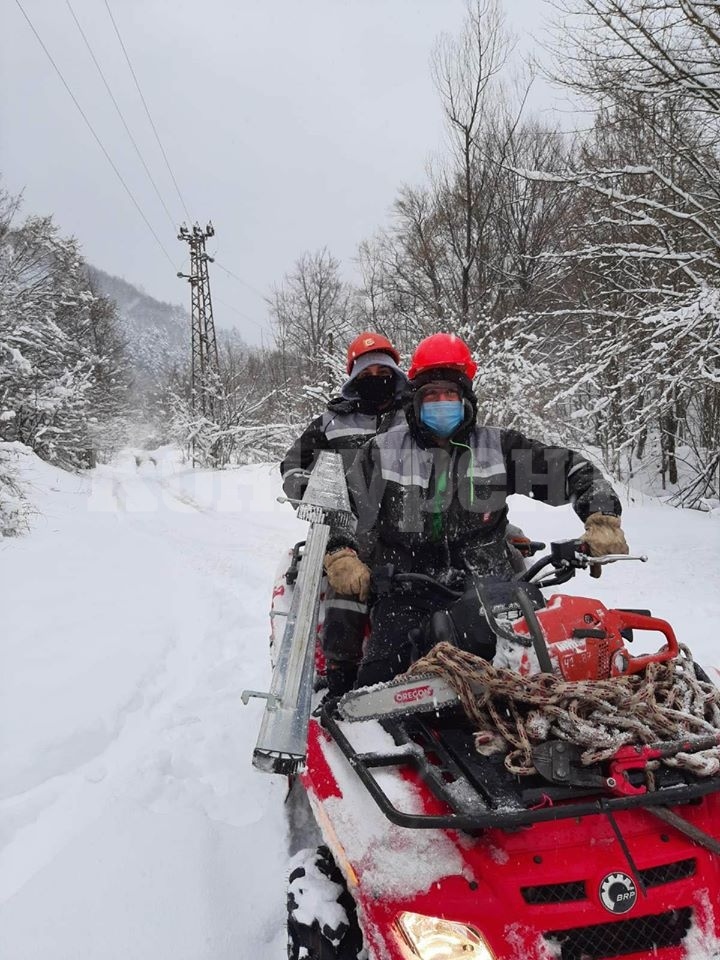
(442, 350)
(369, 342)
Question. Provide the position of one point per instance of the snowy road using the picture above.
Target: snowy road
(134, 614)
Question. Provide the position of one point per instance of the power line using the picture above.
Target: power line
(249, 287)
(233, 309)
(147, 111)
(120, 114)
(240, 280)
(240, 313)
(96, 137)
(167, 162)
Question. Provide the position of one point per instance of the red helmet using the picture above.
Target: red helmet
(368, 342)
(442, 350)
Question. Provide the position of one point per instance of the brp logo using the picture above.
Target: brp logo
(618, 893)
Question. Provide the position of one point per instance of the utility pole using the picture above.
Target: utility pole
(205, 366)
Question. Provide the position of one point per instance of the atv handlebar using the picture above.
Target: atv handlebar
(566, 557)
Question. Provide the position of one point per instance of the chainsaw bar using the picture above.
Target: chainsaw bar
(422, 694)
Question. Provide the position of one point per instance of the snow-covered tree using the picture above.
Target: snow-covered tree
(643, 249)
(61, 375)
(514, 382)
(312, 310)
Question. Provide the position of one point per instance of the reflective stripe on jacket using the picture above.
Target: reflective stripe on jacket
(341, 427)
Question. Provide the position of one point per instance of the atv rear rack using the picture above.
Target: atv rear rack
(515, 807)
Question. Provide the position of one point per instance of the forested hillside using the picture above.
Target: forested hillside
(156, 334)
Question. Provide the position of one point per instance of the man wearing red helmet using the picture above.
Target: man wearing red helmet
(373, 391)
(430, 496)
(374, 388)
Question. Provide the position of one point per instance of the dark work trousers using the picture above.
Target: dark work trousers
(390, 649)
(345, 625)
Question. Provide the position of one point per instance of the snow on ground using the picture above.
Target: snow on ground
(134, 614)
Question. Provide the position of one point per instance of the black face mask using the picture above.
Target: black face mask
(375, 390)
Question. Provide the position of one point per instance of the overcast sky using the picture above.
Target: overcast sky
(289, 123)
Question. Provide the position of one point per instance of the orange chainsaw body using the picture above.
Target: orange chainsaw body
(585, 639)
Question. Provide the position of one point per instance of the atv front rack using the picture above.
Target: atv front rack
(478, 791)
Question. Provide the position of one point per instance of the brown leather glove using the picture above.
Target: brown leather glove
(347, 573)
(603, 534)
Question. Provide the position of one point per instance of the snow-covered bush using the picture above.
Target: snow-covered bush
(14, 507)
(242, 421)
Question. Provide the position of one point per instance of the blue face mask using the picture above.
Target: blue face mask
(442, 417)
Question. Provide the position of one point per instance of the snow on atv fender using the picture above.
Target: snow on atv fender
(384, 866)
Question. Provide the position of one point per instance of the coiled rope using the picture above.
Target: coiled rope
(512, 713)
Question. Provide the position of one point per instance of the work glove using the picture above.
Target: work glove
(347, 574)
(603, 535)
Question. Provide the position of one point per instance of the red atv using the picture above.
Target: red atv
(434, 850)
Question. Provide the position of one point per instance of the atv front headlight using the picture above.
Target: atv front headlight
(431, 938)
